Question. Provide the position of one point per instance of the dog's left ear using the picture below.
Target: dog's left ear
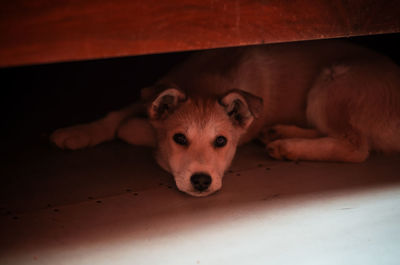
(242, 107)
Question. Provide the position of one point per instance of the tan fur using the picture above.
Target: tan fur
(321, 100)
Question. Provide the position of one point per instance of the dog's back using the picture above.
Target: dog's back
(282, 75)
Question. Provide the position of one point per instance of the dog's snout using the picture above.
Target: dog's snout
(200, 181)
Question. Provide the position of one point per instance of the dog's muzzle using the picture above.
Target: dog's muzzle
(200, 181)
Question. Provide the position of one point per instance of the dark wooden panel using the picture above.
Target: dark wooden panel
(45, 31)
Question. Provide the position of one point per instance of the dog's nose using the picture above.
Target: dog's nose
(200, 181)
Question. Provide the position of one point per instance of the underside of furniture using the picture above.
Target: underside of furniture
(33, 32)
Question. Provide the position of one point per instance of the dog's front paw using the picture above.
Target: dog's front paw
(280, 149)
(74, 137)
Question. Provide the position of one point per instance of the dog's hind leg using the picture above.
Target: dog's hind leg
(319, 149)
(344, 106)
(90, 134)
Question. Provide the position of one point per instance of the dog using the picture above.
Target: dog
(326, 100)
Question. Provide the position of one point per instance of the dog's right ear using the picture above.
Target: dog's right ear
(165, 101)
(242, 107)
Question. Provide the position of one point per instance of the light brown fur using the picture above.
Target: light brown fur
(321, 100)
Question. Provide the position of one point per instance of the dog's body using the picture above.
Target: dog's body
(321, 100)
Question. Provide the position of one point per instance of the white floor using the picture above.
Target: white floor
(113, 205)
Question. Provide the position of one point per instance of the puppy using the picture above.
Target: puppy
(321, 100)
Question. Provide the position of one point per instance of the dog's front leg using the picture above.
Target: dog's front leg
(90, 134)
(137, 131)
(319, 149)
(283, 131)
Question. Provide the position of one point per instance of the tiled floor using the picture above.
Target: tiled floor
(113, 205)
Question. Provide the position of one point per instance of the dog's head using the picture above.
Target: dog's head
(197, 137)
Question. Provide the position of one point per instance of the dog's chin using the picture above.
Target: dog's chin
(199, 193)
(189, 190)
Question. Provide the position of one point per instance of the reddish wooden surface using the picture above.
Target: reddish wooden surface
(43, 31)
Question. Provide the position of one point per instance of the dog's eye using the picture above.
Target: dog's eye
(220, 141)
(180, 139)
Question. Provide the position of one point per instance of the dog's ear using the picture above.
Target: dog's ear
(241, 107)
(167, 98)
